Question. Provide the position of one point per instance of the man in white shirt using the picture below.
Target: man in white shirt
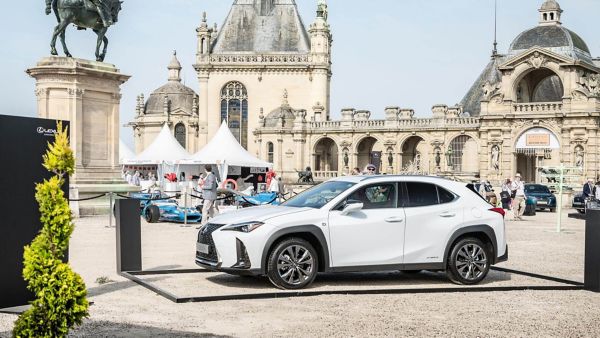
(274, 187)
(518, 190)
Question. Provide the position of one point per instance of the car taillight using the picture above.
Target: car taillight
(499, 210)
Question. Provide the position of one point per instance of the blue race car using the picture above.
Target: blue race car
(258, 199)
(169, 211)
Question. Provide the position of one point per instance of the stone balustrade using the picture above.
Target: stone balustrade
(257, 59)
(538, 107)
(324, 175)
(408, 124)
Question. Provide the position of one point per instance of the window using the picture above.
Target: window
(380, 196)
(316, 197)
(234, 110)
(270, 152)
(445, 196)
(180, 134)
(420, 195)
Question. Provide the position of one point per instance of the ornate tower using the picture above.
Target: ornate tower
(320, 50)
(550, 13)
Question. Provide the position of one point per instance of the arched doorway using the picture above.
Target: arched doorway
(463, 155)
(234, 110)
(540, 85)
(367, 153)
(180, 134)
(535, 148)
(326, 155)
(413, 151)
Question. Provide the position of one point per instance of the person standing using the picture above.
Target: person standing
(274, 185)
(588, 189)
(356, 172)
(518, 196)
(505, 195)
(597, 191)
(209, 194)
(136, 179)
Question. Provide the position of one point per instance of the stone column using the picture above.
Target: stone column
(203, 110)
(86, 93)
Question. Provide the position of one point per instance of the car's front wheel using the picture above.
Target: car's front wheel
(293, 264)
(468, 262)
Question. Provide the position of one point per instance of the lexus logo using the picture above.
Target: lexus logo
(46, 132)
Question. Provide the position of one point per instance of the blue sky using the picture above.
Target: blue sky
(408, 53)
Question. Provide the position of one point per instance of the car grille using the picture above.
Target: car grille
(205, 237)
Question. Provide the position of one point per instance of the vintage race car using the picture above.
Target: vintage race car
(169, 211)
(258, 199)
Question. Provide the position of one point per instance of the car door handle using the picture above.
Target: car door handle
(447, 214)
(394, 220)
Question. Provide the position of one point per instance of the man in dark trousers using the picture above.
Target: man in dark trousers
(209, 194)
(588, 189)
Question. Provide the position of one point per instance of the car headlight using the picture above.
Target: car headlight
(243, 227)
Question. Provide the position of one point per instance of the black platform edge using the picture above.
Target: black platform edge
(167, 272)
(534, 275)
(17, 310)
(572, 286)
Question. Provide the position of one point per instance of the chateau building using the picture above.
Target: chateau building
(269, 78)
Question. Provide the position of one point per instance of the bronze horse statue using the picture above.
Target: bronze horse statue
(83, 14)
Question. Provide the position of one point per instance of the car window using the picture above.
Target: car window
(318, 196)
(420, 194)
(379, 196)
(445, 196)
(536, 189)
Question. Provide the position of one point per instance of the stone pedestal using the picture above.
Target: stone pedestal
(88, 94)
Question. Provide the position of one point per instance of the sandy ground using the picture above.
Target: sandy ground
(123, 309)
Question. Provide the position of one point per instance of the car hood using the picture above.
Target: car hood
(260, 214)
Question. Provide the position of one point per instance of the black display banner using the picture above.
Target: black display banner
(23, 141)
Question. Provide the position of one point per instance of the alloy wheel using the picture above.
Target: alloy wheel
(471, 261)
(295, 264)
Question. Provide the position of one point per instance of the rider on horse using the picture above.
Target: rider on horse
(102, 6)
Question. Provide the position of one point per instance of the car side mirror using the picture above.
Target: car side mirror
(352, 207)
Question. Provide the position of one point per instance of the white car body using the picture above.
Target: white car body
(395, 238)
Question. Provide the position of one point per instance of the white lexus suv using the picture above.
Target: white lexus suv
(360, 223)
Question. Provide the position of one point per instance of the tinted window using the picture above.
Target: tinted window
(445, 196)
(378, 196)
(537, 189)
(421, 194)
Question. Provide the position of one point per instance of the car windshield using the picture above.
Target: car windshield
(318, 196)
(537, 189)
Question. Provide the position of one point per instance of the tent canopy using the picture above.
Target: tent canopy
(224, 149)
(124, 152)
(164, 150)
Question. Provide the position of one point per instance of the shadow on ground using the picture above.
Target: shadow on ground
(92, 328)
(116, 286)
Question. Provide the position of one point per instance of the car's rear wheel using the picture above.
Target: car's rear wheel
(468, 262)
(152, 214)
(293, 264)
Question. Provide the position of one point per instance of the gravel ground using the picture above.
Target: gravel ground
(123, 309)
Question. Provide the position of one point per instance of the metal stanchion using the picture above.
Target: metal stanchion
(110, 209)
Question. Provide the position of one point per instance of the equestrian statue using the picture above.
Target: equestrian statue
(97, 15)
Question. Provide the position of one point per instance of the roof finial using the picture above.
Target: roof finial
(495, 50)
(322, 11)
(204, 17)
(285, 97)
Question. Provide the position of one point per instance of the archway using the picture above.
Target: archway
(463, 155)
(413, 152)
(326, 155)
(536, 147)
(180, 134)
(366, 153)
(540, 85)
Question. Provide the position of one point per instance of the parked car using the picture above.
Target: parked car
(579, 202)
(544, 199)
(169, 211)
(360, 223)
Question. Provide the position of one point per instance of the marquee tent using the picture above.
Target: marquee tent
(164, 150)
(225, 151)
(124, 152)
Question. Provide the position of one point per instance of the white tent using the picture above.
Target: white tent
(164, 150)
(224, 150)
(124, 152)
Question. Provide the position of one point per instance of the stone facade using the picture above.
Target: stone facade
(537, 105)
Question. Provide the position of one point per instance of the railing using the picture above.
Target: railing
(411, 124)
(538, 107)
(325, 124)
(258, 59)
(325, 175)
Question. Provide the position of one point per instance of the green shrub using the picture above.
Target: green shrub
(60, 293)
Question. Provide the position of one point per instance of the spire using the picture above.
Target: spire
(174, 68)
(322, 11)
(495, 50)
(550, 13)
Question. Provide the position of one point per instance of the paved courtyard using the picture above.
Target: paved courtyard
(121, 308)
